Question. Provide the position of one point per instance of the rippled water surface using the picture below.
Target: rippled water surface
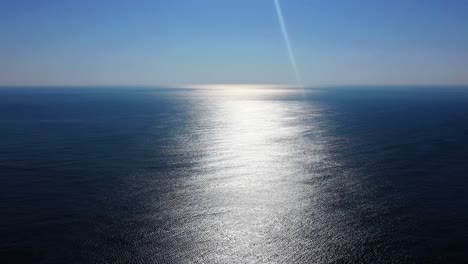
(139, 175)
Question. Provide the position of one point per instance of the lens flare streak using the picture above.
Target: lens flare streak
(284, 31)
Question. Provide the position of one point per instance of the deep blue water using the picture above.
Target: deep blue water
(140, 175)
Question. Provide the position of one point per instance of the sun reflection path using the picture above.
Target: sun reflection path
(250, 188)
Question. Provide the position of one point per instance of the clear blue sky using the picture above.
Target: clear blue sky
(155, 42)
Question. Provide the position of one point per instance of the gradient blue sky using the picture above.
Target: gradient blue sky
(85, 42)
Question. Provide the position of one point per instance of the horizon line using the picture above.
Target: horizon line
(234, 85)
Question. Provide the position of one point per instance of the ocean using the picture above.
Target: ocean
(174, 175)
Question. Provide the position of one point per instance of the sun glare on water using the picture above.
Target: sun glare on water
(239, 89)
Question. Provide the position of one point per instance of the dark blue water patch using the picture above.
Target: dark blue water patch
(415, 139)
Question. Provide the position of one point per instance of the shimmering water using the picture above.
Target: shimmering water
(133, 175)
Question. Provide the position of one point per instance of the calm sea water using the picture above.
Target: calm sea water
(139, 175)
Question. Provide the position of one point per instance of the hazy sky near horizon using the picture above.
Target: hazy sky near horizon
(155, 42)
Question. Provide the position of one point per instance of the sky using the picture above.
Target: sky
(181, 42)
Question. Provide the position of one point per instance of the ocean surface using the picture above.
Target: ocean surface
(159, 175)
